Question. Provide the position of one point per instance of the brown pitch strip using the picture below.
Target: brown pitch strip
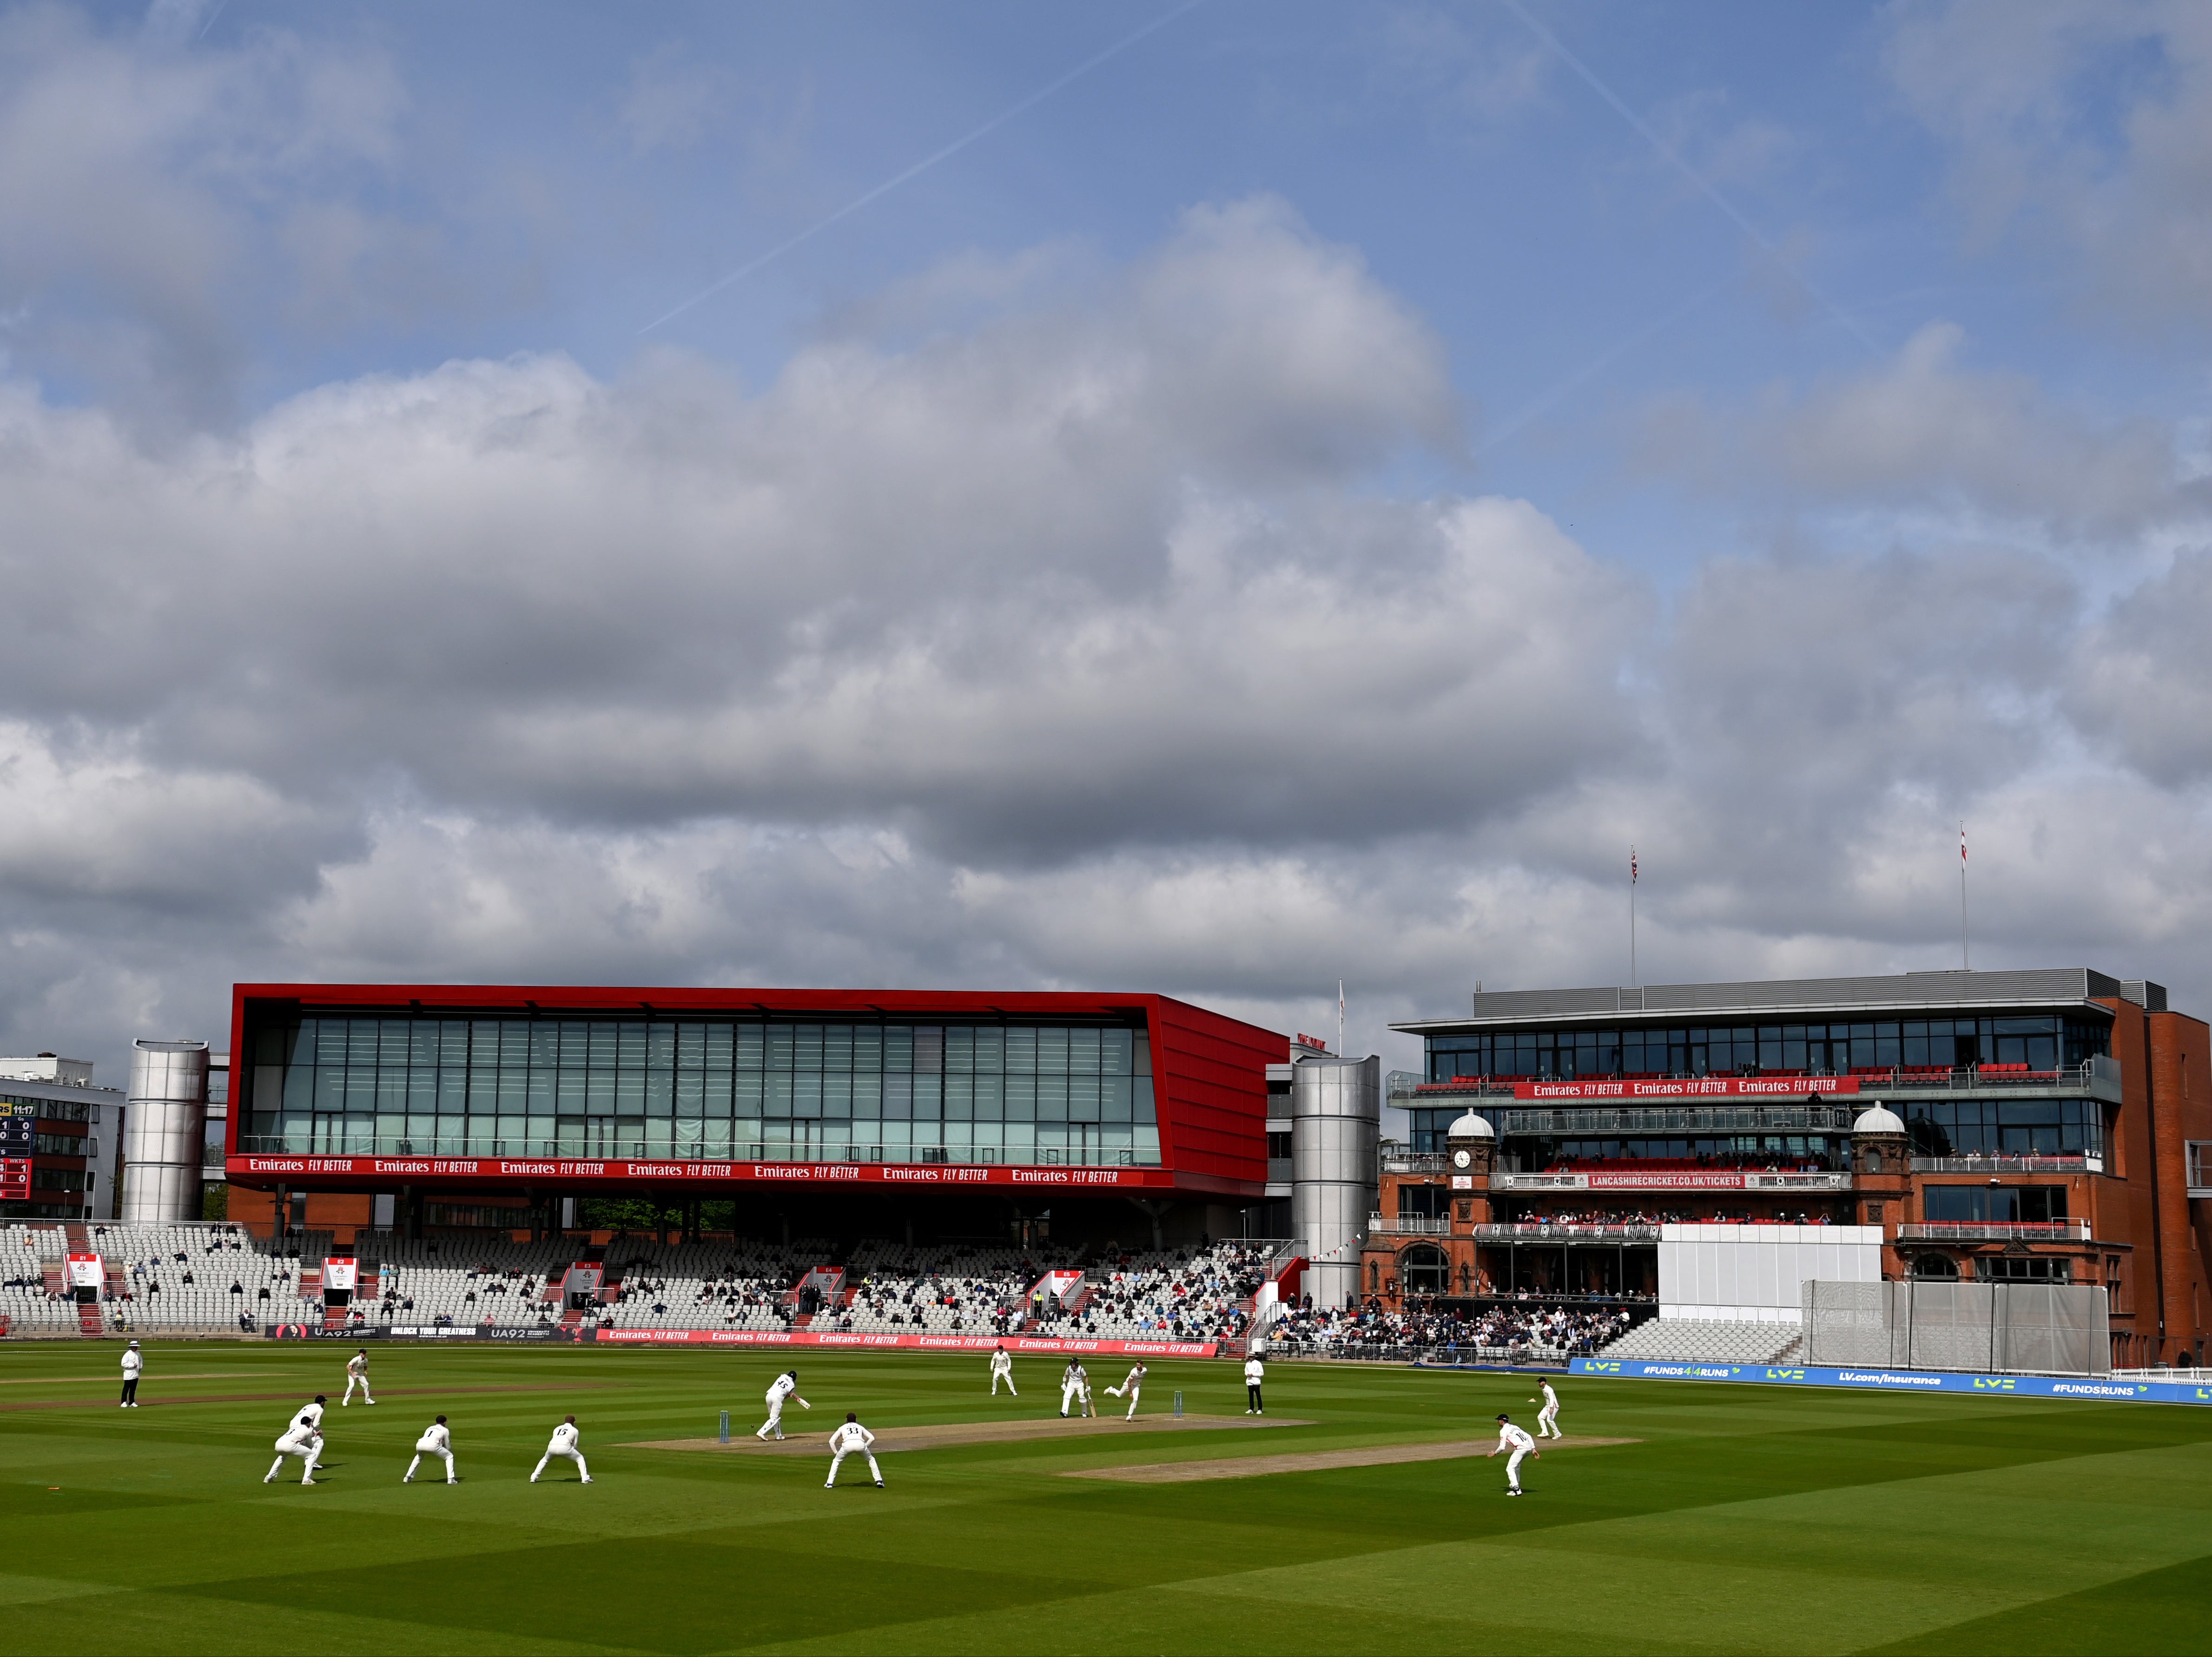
(1308, 1461)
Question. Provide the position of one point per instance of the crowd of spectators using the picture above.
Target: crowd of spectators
(1511, 1331)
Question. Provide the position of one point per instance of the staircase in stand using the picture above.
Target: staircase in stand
(78, 1241)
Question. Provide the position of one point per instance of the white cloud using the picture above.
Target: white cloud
(1925, 432)
(1072, 639)
(2088, 122)
(672, 100)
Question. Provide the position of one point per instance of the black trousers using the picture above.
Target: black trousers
(1252, 1393)
(131, 1390)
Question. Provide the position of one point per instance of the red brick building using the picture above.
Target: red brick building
(2035, 1125)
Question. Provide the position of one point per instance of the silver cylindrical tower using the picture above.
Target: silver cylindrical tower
(1336, 1124)
(164, 1132)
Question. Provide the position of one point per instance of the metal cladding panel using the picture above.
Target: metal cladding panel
(1209, 1071)
(1336, 1110)
(2029, 987)
(163, 1130)
(1210, 1081)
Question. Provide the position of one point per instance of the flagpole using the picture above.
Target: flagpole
(1966, 951)
(1631, 917)
(1339, 1018)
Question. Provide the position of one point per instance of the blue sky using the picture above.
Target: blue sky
(1296, 499)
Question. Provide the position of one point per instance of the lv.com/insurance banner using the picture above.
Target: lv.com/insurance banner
(1902, 1380)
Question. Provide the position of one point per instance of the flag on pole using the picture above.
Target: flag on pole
(1962, 842)
(1631, 865)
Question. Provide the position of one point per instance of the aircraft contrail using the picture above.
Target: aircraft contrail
(1705, 187)
(1507, 429)
(926, 162)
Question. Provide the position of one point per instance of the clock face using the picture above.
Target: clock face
(1461, 1158)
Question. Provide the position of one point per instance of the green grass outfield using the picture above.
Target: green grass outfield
(1747, 1518)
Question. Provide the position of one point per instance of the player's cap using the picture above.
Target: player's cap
(322, 1398)
(134, 1343)
(849, 1416)
(441, 1421)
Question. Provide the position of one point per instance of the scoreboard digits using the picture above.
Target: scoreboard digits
(17, 1127)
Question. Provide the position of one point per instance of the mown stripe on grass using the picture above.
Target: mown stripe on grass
(2156, 1613)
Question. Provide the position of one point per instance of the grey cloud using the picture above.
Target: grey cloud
(1069, 642)
(2143, 677)
(2081, 121)
(164, 198)
(1079, 576)
(1925, 431)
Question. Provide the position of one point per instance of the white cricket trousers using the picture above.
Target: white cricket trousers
(352, 1381)
(1071, 1397)
(422, 1450)
(576, 1456)
(1547, 1422)
(1132, 1395)
(308, 1449)
(1007, 1375)
(774, 1422)
(1513, 1470)
(838, 1460)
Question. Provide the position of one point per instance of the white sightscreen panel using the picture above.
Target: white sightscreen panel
(1758, 1271)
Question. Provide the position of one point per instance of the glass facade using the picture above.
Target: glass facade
(1968, 1205)
(2043, 1041)
(1785, 1150)
(2039, 1127)
(702, 1088)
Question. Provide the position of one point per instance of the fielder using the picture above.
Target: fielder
(564, 1444)
(357, 1375)
(1548, 1418)
(783, 1386)
(1255, 1373)
(1510, 1437)
(1132, 1385)
(852, 1439)
(1002, 1368)
(437, 1439)
(134, 1361)
(1073, 1387)
(303, 1438)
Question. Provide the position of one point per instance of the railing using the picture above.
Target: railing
(1994, 1231)
(1566, 1233)
(757, 1151)
(2193, 1376)
(2005, 1163)
(1410, 1225)
(1415, 1161)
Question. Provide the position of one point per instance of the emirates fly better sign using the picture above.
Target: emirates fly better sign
(1694, 1087)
